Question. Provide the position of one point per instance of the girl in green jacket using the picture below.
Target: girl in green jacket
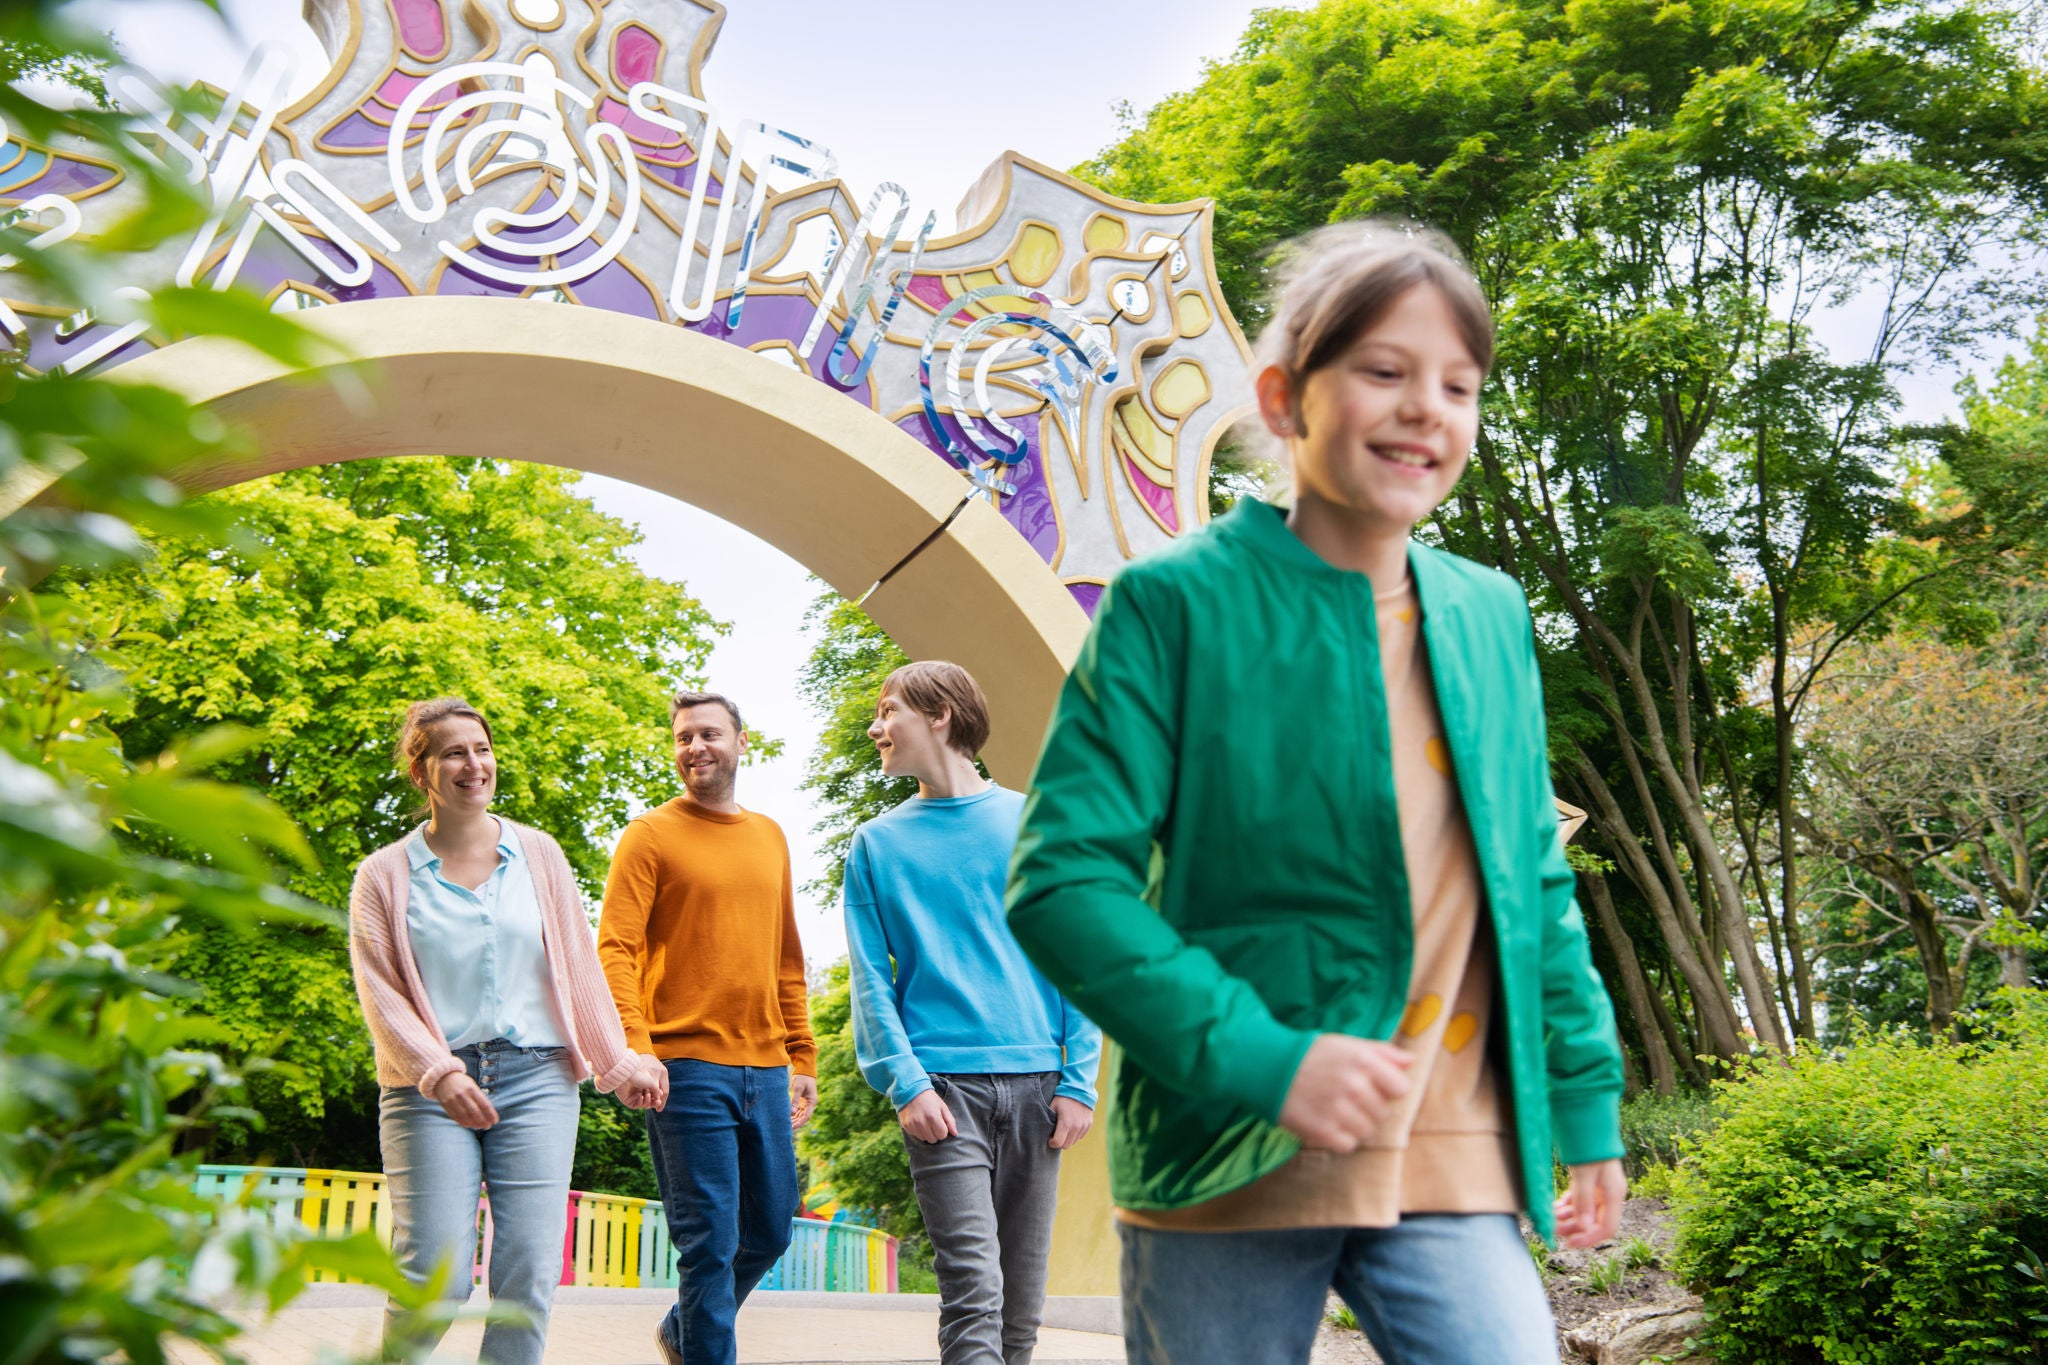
(1292, 844)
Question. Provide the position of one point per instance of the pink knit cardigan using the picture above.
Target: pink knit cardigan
(410, 1046)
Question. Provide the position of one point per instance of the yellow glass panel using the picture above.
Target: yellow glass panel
(1144, 440)
(1191, 313)
(994, 303)
(1036, 254)
(1181, 389)
(1105, 232)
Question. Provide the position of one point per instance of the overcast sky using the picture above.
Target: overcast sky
(813, 68)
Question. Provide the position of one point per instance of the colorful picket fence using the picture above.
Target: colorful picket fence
(612, 1240)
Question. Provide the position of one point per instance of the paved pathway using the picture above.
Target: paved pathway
(616, 1327)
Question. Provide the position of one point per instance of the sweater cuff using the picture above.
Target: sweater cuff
(1080, 1094)
(1259, 1067)
(621, 1072)
(431, 1078)
(1586, 1126)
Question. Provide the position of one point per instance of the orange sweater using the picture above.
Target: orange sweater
(698, 940)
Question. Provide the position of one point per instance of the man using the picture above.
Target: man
(991, 1072)
(699, 943)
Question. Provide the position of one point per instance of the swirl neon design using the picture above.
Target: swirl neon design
(535, 115)
(1065, 334)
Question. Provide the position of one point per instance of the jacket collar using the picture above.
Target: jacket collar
(1263, 527)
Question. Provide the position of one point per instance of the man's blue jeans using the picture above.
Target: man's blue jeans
(433, 1166)
(726, 1164)
(1435, 1289)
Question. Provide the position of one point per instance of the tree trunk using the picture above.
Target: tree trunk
(1722, 1035)
(1634, 984)
(1930, 942)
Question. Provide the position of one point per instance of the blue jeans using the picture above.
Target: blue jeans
(726, 1164)
(1435, 1289)
(432, 1169)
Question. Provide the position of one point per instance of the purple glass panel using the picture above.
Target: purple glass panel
(1089, 595)
(421, 25)
(781, 317)
(1156, 496)
(636, 54)
(929, 289)
(1030, 508)
(65, 176)
(356, 131)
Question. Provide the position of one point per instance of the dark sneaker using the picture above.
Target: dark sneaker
(669, 1354)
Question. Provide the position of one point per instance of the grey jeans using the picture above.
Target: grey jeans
(987, 1196)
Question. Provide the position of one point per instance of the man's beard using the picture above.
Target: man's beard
(715, 783)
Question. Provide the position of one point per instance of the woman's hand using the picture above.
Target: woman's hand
(648, 1086)
(1589, 1211)
(465, 1102)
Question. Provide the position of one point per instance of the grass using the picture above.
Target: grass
(1344, 1317)
(1637, 1253)
(1605, 1275)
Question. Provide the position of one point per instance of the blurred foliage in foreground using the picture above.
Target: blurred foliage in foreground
(110, 1081)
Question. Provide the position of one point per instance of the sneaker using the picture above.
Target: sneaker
(669, 1354)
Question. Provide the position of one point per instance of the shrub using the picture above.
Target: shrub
(1879, 1208)
(1656, 1128)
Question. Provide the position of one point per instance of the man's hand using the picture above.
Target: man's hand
(465, 1102)
(1343, 1090)
(1589, 1211)
(1071, 1122)
(803, 1100)
(927, 1118)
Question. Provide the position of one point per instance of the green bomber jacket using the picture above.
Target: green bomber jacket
(1210, 864)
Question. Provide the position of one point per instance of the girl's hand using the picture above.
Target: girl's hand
(1589, 1211)
(1343, 1090)
(465, 1102)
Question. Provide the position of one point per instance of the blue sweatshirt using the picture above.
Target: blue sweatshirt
(924, 886)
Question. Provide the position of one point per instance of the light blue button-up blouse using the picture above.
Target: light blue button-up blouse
(480, 952)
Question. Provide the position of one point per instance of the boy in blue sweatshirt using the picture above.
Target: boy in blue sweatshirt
(992, 1073)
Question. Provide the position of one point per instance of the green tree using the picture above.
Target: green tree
(841, 680)
(1704, 504)
(347, 592)
(855, 1138)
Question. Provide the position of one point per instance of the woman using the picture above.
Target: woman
(486, 1006)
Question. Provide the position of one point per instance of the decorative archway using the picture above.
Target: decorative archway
(527, 215)
(837, 488)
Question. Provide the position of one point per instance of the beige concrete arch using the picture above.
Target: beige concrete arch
(826, 481)
(833, 485)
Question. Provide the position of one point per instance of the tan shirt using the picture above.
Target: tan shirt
(1448, 1147)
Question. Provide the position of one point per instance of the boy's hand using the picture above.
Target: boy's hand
(927, 1118)
(803, 1100)
(1589, 1211)
(1071, 1122)
(1343, 1090)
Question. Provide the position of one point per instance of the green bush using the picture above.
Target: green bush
(1882, 1207)
(1656, 1128)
